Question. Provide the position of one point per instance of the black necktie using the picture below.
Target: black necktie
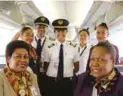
(60, 67)
(38, 50)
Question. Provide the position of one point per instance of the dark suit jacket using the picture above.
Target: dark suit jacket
(85, 89)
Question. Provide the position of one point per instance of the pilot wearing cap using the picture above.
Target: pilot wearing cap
(62, 62)
(40, 43)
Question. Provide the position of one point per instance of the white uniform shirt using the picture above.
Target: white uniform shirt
(45, 47)
(70, 56)
(83, 58)
(94, 91)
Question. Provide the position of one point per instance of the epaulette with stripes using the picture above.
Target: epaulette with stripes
(51, 45)
(73, 45)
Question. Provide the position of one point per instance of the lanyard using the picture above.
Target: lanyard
(82, 50)
(42, 44)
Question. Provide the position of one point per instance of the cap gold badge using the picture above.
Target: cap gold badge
(60, 22)
(42, 19)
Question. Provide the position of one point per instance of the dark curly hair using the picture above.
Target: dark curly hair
(14, 45)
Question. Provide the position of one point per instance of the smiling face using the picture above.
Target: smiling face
(19, 60)
(101, 62)
(40, 29)
(27, 36)
(61, 35)
(101, 33)
(83, 37)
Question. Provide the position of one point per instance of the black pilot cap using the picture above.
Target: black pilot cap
(60, 24)
(42, 21)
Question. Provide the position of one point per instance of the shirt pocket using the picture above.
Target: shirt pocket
(55, 60)
(69, 58)
(69, 55)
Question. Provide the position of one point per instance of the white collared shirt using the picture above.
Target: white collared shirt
(81, 49)
(83, 58)
(45, 47)
(94, 91)
(36, 39)
(70, 57)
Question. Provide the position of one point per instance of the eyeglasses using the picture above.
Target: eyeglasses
(19, 56)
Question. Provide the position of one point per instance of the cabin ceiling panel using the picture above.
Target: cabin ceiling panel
(73, 10)
(115, 11)
(21, 12)
(11, 10)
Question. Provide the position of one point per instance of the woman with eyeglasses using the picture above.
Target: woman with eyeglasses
(102, 78)
(15, 80)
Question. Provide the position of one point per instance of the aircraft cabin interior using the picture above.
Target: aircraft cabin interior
(14, 14)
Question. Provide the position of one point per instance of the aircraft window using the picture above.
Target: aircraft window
(6, 34)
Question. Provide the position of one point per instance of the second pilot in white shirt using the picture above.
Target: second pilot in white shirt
(62, 62)
(70, 57)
